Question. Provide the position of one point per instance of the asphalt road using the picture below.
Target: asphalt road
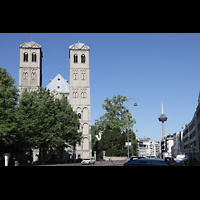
(118, 163)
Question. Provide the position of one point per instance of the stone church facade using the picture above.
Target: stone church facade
(77, 92)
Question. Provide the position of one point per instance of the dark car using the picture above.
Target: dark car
(151, 162)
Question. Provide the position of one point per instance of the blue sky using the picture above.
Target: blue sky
(147, 67)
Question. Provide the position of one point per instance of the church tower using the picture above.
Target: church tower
(79, 95)
(30, 66)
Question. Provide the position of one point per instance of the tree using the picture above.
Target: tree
(29, 123)
(113, 124)
(67, 123)
(116, 114)
(112, 142)
(8, 101)
(46, 123)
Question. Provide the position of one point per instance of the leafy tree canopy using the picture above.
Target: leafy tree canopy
(116, 114)
(8, 101)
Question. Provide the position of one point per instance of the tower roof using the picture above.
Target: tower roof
(30, 44)
(59, 84)
(79, 45)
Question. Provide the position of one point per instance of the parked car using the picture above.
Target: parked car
(88, 161)
(133, 158)
(182, 159)
(151, 162)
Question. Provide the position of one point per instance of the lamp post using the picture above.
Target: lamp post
(135, 104)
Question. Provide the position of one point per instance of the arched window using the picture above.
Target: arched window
(82, 58)
(83, 76)
(25, 75)
(33, 75)
(25, 57)
(79, 115)
(75, 76)
(33, 57)
(75, 58)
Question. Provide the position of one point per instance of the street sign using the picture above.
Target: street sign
(193, 149)
(128, 144)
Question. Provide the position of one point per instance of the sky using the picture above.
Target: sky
(149, 67)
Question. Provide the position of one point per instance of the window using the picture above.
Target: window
(75, 76)
(25, 75)
(25, 57)
(83, 76)
(83, 94)
(75, 94)
(33, 75)
(33, 57)
(79, 115)
(82, 58)
(75, 58)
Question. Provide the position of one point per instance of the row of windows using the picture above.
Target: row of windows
(26, 57)
(83, 94)
(25, 75)
(187, 146)
(75, 76)
(76, 58)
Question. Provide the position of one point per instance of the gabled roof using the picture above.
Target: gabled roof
(58, 84)
(30, 44)
(79, 45)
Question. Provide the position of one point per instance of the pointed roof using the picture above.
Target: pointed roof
(79, 45)
(30, 44)
(58, 84)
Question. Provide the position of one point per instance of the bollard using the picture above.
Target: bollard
(16, 163)
(6, 160)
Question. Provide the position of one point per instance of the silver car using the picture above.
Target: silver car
(88, 161)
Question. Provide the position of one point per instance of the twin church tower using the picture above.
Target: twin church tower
(77, 91)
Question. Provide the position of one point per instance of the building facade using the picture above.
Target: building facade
(198, 126)
(147, 148)
(77, 92)
(190, 139)
(79, 95)
(155, 148)
(166, 146)
(30, 66)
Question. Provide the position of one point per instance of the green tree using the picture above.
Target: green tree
(112, 142)
(67, 123)
(29, 123)
(113, 124)
(46, 123)
(116, 114)
(8, 101)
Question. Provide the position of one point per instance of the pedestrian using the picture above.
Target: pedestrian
(109, 159)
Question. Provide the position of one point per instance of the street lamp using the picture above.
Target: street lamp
(135, 104)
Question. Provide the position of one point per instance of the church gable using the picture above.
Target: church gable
(85, 47)
(30, 44)
(74, 47)
(59, 84)
(79, 45)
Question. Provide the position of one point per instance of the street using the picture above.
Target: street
(117, 163)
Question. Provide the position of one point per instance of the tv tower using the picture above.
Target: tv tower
(162, 119)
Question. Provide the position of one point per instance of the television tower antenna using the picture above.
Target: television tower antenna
(162, 118)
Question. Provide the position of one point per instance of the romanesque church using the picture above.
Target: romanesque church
(77, 90)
